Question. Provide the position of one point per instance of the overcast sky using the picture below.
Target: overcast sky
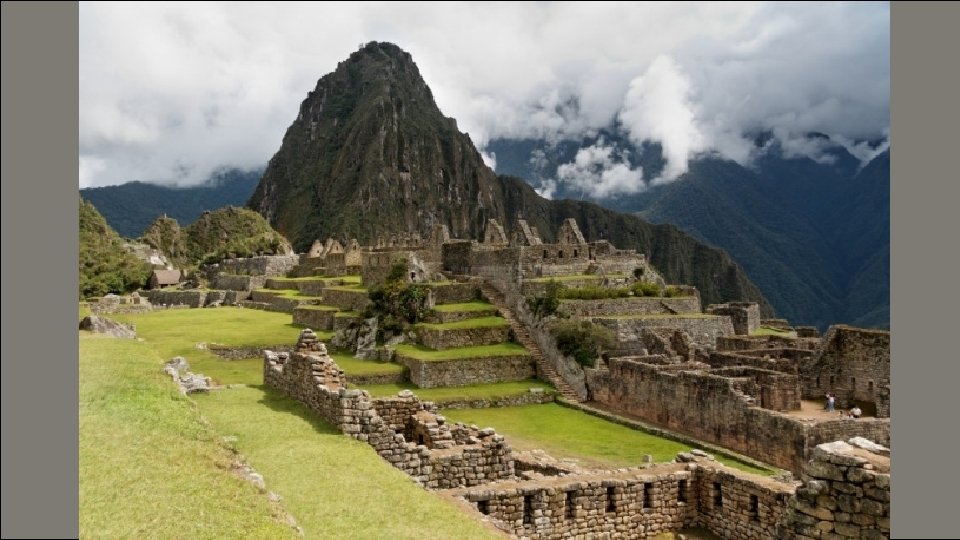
(169, 92)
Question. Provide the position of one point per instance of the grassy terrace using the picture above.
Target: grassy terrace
(570, 277)
(289, 293)
(662, 316)
(145, 456)
(176, 332)
(569, 433)
(767, 331)
(456, 393)
(347, 314)
(325, 279)
(356, 366)
(353, 287)
(479, 322)
(318, 307)
(476, 305)
(425, 354)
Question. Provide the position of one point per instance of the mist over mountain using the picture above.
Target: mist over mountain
(811, 232)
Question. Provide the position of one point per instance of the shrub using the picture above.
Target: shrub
(398, 303)
(672, 292)
(548, 303)
(581, 339)
(642, 288)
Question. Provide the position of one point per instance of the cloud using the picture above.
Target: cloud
(171, 91)
(599, 171)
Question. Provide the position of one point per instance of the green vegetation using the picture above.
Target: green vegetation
(336, 487)
(105, 266)
(594, 292)
(232, 232)
(476, 305)
(146, 457)
(420, 352)
(581, 339)
(568, 433)
(457, 393)
(477, 322)
(356, 366)
(568, 277)
(548, 303)
(319, 307)
(165, 235)
(347, 314)
(397, 303)
(176, 332)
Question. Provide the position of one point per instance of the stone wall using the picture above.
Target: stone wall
(744, 315)
(232, 282)
(723, 409)
(454, 316)
(426, 374)
(735, 505)
(846, 494)
(461, 337)
(854, 364)
(311, 317)
(191, 298)
(268, 265)
(637, 305)
(618, 506)
(346, 299)
(434, 458)
(515, 400)
(233, 352)
(703, 330)
(453, 292)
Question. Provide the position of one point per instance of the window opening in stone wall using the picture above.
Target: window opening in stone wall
(682, 491)
(818, 381)
(413, 276)
(611, 504)
(755, 507)
(870, 386)
(570, 506)
(648, 495)
(545, 254)
(528, 508)
(560, 254)
(483, 507)
(576, 253)
(832, 380)
(717, 495)
(421, 439)
(853, 383)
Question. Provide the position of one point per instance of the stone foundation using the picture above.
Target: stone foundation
(493, 369)
(461, 337)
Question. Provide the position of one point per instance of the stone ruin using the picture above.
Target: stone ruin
(845, 488)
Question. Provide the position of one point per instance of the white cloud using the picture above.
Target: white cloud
(172, 91)
(599, 172)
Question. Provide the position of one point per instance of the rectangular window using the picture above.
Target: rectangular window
(682, 491)
(755, 507)
(717, 495)
(648, 495)
(570, 506)
(611, 504)
(483, 507)
(528, 508)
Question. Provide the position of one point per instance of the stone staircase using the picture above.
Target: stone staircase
(523, 338)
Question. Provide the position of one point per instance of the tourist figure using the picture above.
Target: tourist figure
(831, 401)
(855, 412)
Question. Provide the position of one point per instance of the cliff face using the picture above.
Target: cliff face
(371, 154)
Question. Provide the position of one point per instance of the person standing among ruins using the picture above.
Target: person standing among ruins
(831, 401)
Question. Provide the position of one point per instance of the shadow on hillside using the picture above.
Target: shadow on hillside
(281, 403)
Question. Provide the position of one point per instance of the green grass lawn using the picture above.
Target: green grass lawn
(568, 433)
(351, 287)
(476, 305)
(356, 366)
(175, 332)
(440, 395)
(478, 322)
(85, 311)
(289, 293)
(319, 307)
(149, 467)
(336, 487)
(429, 355)
(569, 277)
